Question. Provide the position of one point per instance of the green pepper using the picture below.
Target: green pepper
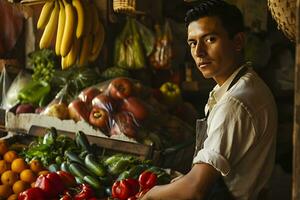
(33, 92)
(50, 136)
(171, 93)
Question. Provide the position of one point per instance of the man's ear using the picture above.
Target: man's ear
(239, 41)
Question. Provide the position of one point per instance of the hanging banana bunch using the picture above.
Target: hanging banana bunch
(79, 30)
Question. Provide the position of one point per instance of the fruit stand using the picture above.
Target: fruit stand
(113, 79)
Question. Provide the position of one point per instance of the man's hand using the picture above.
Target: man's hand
(196, 184)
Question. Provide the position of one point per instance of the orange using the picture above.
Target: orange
(9, 177)
(32, 184)
(36, 166)
(28, 176)
(44, 172)
(10, 156)
(18, 165)
(5, 191)
(4, 166)
(13, 197)
(20, 186)
(3, 147)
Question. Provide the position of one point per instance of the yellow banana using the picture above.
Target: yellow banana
(45, 14)
(60, 28)
(67, 38)
(80, 17)
(50, 28)
(64, 64)
(88, 17)
(74, 53)
(97, 43)
(95, 18)
(85, 49)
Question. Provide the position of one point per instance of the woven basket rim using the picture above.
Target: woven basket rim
(283, 12)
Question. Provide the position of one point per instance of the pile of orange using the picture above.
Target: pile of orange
(15, 174)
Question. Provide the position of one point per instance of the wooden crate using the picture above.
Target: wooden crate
(178, 157)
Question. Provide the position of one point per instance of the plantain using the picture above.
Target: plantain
(50, 28)
(73, 54)
(80, 17)
(45, 14)
(85, 50)
(98, 40)
(69, 29)
(60, 28)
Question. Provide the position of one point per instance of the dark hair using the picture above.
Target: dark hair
(230, 16)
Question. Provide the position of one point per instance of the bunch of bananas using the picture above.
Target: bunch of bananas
(79, 30)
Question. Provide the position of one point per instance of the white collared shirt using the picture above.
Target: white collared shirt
(241, 135)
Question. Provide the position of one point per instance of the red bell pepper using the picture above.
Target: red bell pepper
(51, 184)
(86, 192)
(32, 194)
(147, 180)
(67, 178)
(125, 188)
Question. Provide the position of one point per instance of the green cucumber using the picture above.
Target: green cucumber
(92, 181)
(79, 180)
(77, 170)
(95, 167)
(82, 141)
(73, 157)
(64, 166)
(83, 154)
(53, 167)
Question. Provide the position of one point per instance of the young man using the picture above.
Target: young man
(235, 144)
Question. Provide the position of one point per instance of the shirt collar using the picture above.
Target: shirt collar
(219, 91)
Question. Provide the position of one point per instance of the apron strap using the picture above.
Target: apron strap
(241, 73)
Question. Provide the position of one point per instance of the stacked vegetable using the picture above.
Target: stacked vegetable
(82, 160)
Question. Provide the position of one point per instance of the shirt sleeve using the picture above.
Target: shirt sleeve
(230, 134)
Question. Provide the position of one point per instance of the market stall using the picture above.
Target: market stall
(101, 97)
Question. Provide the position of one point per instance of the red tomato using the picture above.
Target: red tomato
(88, 94)
(99, 117)
(120, 88)
(104, 101)
(135, 106)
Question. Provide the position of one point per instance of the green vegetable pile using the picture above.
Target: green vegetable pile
(49, 148)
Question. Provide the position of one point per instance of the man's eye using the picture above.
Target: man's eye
(210, 39)
(192, 44)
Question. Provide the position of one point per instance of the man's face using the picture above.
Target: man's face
(215, 54)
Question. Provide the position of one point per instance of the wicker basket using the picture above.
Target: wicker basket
(124, 6)
(284, 13)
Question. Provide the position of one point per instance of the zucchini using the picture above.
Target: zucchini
(73, 157)
(77, 170)
(82, 141)
(79, 180)
(64, 166)
(53, 167)
(94, 182)
(95, 167)
(83, 154)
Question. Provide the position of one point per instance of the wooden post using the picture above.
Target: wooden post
(296, 131)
